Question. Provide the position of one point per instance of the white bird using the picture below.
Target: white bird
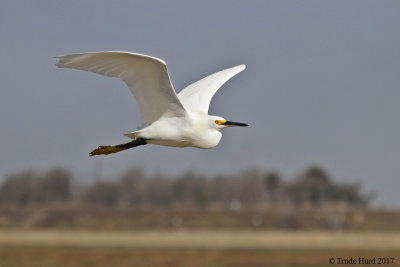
(171, 120)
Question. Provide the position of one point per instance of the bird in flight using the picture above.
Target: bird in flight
(175, 120)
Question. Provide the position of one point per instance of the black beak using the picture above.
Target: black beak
(232, 123)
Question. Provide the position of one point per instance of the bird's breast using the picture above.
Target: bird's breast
(207, 139)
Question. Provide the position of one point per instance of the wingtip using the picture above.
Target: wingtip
(240, 67)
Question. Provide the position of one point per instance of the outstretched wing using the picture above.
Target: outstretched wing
(147, 78)
(197, 96)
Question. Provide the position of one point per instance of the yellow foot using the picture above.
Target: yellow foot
(105, 150)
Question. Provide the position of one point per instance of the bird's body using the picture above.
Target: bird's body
(191, 130)
(171, 120)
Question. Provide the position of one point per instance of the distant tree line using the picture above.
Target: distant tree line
(135, 189)
(36, 187)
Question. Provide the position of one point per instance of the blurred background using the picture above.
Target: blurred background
(314, 177)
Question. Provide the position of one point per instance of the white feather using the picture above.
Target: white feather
(147, 78)
(197, 96)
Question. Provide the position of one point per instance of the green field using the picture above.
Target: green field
(193, 248)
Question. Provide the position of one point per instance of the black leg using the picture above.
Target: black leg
(133, 143)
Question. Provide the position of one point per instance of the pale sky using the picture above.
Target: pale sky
(321, 85)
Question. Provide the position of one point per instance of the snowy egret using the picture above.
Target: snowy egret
(171, 120)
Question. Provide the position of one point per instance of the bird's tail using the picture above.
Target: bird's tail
(105, 150)
(133, 135)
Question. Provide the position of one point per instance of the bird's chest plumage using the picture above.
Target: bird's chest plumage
(201, 135)
(208, 140)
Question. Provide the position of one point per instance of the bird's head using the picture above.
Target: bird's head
(219, 123)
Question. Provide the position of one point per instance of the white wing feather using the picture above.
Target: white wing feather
(147, 78)
(197, 96)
